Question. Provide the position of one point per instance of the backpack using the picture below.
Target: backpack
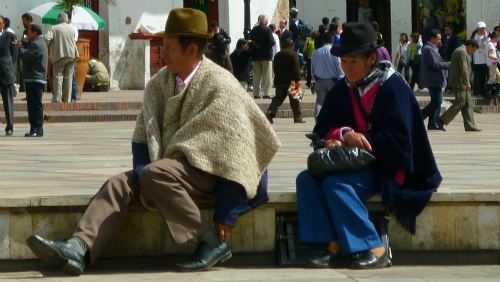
(304, 30)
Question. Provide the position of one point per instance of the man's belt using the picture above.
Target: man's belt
(334, 79)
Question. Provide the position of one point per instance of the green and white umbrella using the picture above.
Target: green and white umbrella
(83, 18)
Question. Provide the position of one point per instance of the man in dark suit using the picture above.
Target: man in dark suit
(8, 57)
(432, 77)
(34, 57)
(450, 43)
(283, 33)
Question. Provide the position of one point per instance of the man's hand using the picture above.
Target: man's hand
(355, 139)
(332, 143)
(467, 87)
(223, 231)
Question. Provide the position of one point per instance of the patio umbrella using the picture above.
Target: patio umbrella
(83, 18)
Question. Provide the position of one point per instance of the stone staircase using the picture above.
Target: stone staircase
(96, 109)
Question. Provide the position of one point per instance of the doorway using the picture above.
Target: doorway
(209, 7)
(372, 10)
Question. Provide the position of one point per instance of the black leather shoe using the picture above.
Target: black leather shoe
(435, 128)
(368, 260)
(474, 129)
(33, 134)
(60, 254)
(8, 132)
(441, 124)
(299, 121)
(326, 260)
(206, 256)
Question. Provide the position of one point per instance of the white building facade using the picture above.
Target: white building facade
(128, 60)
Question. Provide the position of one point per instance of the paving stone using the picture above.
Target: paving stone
(20, 227)
(264, 230)
(466, 228)
(4, 236)
(423, 239)
(488, 227)
(444, 227)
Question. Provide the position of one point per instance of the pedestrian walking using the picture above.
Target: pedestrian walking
(401, 60)
(414, 55)
(459, 85)
(325, 68)
(286, 69)
(432, 77)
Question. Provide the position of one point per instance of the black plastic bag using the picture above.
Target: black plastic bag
(325, 161)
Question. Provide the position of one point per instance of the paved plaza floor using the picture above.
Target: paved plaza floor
(76, 158)
(254, 268)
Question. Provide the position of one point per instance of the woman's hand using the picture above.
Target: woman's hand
(332, 143)
(355, 139)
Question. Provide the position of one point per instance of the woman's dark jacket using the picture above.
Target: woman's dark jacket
(240, 59)
(399, 142)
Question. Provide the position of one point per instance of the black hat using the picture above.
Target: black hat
(355, 38)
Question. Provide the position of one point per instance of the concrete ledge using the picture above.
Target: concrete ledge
(451, 221)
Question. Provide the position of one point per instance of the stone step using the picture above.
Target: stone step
(121, 111)
(124, 111)
(451, 222)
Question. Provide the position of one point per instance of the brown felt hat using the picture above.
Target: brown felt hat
(187, 22)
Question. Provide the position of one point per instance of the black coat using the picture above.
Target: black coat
(286, 34)
(8, 58)
(262, 43)
(399, 142)
(240, 59)
(448, 46)
(286, 67)
(35, 57)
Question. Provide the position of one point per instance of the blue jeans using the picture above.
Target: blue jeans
(433, 109)
(333, 210)
(74, 87)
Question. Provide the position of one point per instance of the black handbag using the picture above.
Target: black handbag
(325, 161)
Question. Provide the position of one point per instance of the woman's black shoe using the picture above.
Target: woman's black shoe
(368, 260)
(326, 260)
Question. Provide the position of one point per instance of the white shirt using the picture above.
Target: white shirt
(276, 47)
(181, 85)
(481, 54)
(491, 48)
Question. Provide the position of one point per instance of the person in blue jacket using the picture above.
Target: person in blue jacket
(372, 108)
(199, 137)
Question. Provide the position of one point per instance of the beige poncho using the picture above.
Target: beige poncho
(214, 123)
